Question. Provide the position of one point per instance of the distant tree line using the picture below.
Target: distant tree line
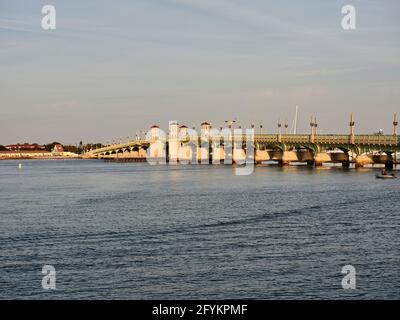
(69, 148)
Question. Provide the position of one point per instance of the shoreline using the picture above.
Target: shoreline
(50, 158)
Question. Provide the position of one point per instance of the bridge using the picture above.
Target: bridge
(285, 149)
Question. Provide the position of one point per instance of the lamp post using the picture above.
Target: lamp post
(315, 126)
(352, 123)
(312, 129)
(230, 123)
(279, 131)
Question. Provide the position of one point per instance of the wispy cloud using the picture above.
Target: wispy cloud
(246, 15)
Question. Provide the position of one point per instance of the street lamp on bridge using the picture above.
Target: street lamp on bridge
(279, 130)
(230, 123)
(352, 123)
(315, 126)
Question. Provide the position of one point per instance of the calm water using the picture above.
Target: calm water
(142, 232)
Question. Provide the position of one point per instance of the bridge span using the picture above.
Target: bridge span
(285, 149)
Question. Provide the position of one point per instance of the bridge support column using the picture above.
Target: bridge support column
(346, 164)
(287, 157)
(239, 156)
(320, 158)
(283, 163)
(389, 162)
(261, 155)
(389, 165)
(362, 160)
(310, 163)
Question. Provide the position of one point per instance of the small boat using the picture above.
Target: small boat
(386, 176)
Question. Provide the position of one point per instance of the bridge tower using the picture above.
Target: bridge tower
(205, 130)
(205, 151)
(156, 150)
(183, 131)
(173, 143)
(155, 132)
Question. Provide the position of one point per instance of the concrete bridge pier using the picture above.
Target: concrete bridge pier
(239, 156)
(287, 157)
(358, 165)
(218, 155)
(346, 164)
(362, 160)
(389, 165)
(283, 163)
(320, 158)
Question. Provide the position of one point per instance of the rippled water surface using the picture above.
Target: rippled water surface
(133, 231)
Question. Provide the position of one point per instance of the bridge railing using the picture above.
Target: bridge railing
(125, 145)
(289, 138)
(376, 139)
(332, 138)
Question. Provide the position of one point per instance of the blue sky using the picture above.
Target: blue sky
(114, 67)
